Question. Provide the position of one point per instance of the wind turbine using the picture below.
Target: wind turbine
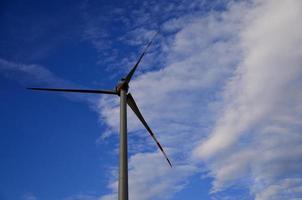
(121, 90)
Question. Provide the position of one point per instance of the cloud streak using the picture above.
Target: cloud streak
(32, 74)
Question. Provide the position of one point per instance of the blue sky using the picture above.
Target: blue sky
(220, 87)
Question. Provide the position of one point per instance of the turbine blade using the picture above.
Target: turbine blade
(76, 90)
(130, 74)
(133, 106)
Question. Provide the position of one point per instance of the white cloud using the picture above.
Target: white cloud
(258, 135)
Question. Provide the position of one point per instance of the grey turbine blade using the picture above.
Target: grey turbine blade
(133, 106)
(76, 90)
(130, 74)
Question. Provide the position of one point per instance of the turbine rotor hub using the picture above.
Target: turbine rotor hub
(122, 85)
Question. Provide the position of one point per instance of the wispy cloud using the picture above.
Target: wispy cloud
(29, 73)
(29, 196)
(82, 197)
(39, 76)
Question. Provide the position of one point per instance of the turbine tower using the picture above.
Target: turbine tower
(121, 90)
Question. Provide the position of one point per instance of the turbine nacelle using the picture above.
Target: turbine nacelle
(122, 85)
